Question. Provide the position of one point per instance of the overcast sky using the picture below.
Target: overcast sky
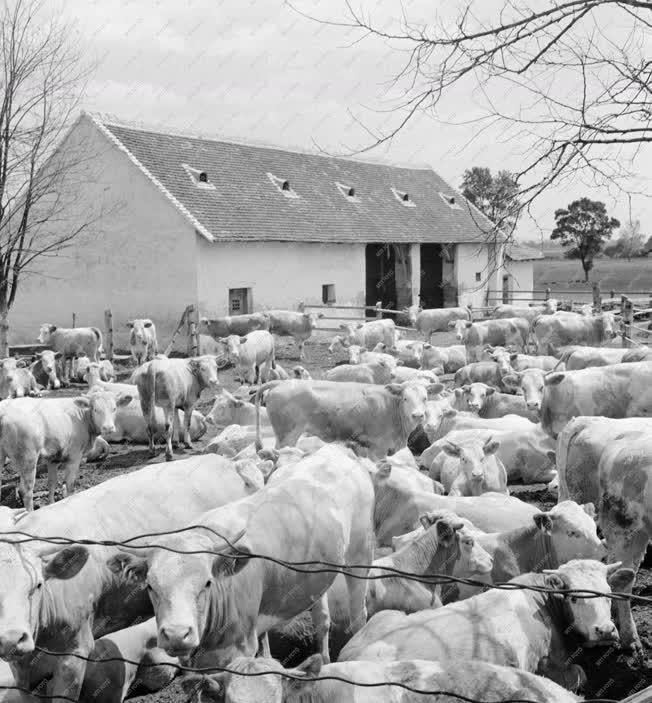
(256, 70)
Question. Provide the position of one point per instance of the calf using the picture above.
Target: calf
(442, 419)
(530, 384)
(173, 384)
(369, 334)
(371, 372)
(143, 344)
(16, 381)
(554, 331)
(60, 430)
(408, 352)
(44, 369)
(72, 342)
(528, 313)
(427, 322)
(585, 357)
(451, 359)
(301, 373)
(229, 410)
(81, 367)
(239, 325)
(488, 402)
(506, 332)
(298, 325)
(520, 362)
(488, 372)
(358, 355)
(253, 355)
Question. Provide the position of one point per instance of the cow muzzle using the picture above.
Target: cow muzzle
(477, 474)
(107, 428)
(178, 640)
(474, 407)
(15, 643)
(534, 405)
(604, 636)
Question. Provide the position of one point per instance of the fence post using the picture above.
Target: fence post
(379, 305)
(74, 320)
(597, 298)
(108, 325)
(301, 307)
(548, 293)
(627, 313)
(193, 335)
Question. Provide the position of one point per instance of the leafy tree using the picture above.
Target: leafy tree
(631, 240)
(495, 196)
(583, 227)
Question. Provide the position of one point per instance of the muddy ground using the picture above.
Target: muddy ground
(611, 674)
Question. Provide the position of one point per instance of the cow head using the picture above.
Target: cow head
(48, 361)
(573, 531)
(204, 368)
(338, 342)
(45, 332)
(476, 394)
(102, 407)
(221, 414)
(140, 338)
(502, 357)
(550, 306)
(472, 455)
(459, 327)
(609, 325)
(437, 411)
(412, 401)
(591, 617)
(355, 350)
(302, 373)
(530, 383)
(412, 313)
(23, 579)
(556, 406)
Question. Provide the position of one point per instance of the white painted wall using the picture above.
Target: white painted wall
(521, 275)
(471, 259)
(280, 274)
(138, 259)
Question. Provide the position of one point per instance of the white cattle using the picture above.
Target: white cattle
(358, 355)
(239, 325)
(143, 344)
(72, 342)
(369, 334)
(487, 402)
(408, 352)
(298, 325)
(512, 331)
(585, 357)
(16, 380)
(434, 320)
(449, 358)
(405, 374)
(44, 369)
(252, 355)
(554, 331)
(530, 384)
(488, 372)
(520, 362)
(376, 371)
(82, 364)
(528, 313)
(60, 431)
(229, 410)
(441, 419)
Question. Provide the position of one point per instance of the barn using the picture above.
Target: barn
(518, 272)
(234, 228)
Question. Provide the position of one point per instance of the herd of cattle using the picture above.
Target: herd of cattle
(367, 512)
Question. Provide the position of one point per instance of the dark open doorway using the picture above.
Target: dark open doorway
(432, 292)
(380, 264)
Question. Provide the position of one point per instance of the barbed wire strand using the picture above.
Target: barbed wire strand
(328, 567)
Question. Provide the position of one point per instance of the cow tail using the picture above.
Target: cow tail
(259, 394)
(151, 378)
(98, 334)
(566, 436)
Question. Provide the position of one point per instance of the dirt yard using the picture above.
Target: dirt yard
(611, 674)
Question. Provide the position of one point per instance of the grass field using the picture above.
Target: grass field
(619, 275)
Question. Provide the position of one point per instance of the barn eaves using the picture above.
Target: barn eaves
(403, 198)
(348, 192)
(451, 201)
(198, 177)
(283, 186)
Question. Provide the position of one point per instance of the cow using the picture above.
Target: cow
(432, 320)
(368, 334)
(71, 342)
(585, 357)
(370, 372)
(530, 384)
(229, 410)
(509, 331)
(405, 374)
(528, 313)
(520, 362)
(173, 384)
(143, 344)
(441, 419)
(487, 402)
(278, 373)
(234, 439)
(298, 325)
(639, 354)
(609, 462)
(553, 331)
(299, 372)
(44, 369)
(451, 359)
(240, 325)
(210, 608)
(468, 465)
(408, 352)
(47, 599)
(399, 506)
(469, 680)
(488, 372)
(93, 378)
(358, 355)
(60, 431)
(617, 390)
(523, 628)
(81, 365)
(252, 355)
(111, 675)
(16, 380)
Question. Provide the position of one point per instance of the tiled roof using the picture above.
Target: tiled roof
(246, 204)
(517, 252)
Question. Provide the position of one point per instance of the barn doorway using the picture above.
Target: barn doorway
(380, 263)
(431, 288)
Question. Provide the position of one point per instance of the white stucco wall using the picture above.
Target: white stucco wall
(471, 259)
(139, 259)
(521, 275)
(280, 274)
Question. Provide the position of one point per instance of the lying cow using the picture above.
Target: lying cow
(408, 352)
(451, 359)
(173, 384)
(467, 680)
(520, 362)
(405, 374)
(432, 320)
(528, 313)
(252, 355)
(229, 410)
(72, 342)
(377, 371)
(234, 439)
(618, 390)
(16, 380)
(240, 325)
(60, 431)
(298, 325)
(210, 608)
(81, 365)
(507, 332)
(486, 401)
(369, 334)
(358, 355)
(585, 357)
(521, 628)
(44, 369)
(442, 419)
(488, 372)
(554, 331)
(530, 384)
(143, 344)
(39, 580)
(377, 418)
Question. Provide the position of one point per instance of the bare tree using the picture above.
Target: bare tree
(569, 79)
(43, 76)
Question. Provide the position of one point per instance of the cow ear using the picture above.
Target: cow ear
(491, 446)
(513, 357)
(552, 455)
(555, 581)
(436, 388)
(83, 401)
(129, 324)
(445, 533)
(510, 381)
(58, 355)
(232, 561)
(554, 379)
(66, 563)
(468, 324)
(451, 324)
(490, 390)
(310, 668)
(123, 399)
(543, 521)
(452, 449)
(20, 364)
(243, 340)
(394, 388)
(620, 579)
(427, 346)
(589, 509)
(148, 323)
(466, 388)
(133, 568)
(53, 328)
(427, 520)
(449, 412)
(384, 470)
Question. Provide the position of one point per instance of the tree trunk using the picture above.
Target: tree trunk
(4, 333)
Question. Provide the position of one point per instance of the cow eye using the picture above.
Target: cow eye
(573, 599)
(208, 584)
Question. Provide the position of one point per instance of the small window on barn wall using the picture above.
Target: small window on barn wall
(240, 301)
(451, 200)
(348, 192)
(404, 198)
(328, 293)
(199, 177)
(283, 185)
(478, 277)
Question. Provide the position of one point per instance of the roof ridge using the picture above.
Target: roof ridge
(177, 204)
(113, 120)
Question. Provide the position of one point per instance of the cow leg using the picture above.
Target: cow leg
(176, 428)
(3, 458)
(321, 621)
(187, 419)
(69, 671)
(263, 647)
(357, 589)
(300, 345)
(169, 414)
(27, 473)
(70, 474)
(52, 480)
